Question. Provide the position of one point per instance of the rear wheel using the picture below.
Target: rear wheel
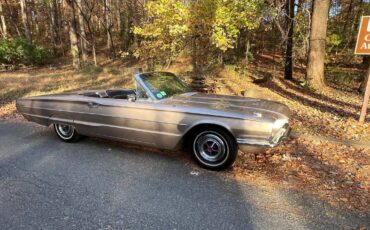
(213, 148)
(67, 132)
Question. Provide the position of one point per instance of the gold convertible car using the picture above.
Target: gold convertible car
(164, 112)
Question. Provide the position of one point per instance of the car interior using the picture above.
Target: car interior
(115, 94)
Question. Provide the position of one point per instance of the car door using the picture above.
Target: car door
(122, 119)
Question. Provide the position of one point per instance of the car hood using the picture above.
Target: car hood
(244, 106)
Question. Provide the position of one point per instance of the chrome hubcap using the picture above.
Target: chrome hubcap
(65, 130)
(211, 147)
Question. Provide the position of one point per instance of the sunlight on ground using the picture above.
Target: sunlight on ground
(335, 173)
(17, 85)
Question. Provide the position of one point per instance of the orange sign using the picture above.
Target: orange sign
(363, 39)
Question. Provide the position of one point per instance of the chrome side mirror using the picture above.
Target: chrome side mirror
(131, 97)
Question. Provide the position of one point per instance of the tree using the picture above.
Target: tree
(73, 35)
(25, 20)
(233, 19)
(316, 55)
(108, 24)
(289, 43)
(12, 19)
(4, 29)
(366, 63)
(206, 26)
(164, 32)
(54, 27)
(87, 19)
(200, 23)
(81, 21)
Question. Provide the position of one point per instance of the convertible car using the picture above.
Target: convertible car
(164, 112)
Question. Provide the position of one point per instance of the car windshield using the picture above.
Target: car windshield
(163, 85)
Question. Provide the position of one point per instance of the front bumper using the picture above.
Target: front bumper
(261, 145)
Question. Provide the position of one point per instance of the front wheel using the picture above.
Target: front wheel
(214, 148)
(67, 132)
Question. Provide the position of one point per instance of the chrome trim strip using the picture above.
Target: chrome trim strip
(145, 108)
(263, 143)
(93, 124)
(99, 125)
(50, 118)
(217, 99)
(34, 115)
(97, 114)
(61, 120)
(244, 136)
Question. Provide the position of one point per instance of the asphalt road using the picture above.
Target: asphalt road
(95, 184)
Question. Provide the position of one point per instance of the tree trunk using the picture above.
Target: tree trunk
(118, 18)
(108, 23)
(349, 12)
(194, 57)
(221, 59)
(366, 63)
(25, 20)
(73, 36)
(34, 21)
(247, 48)
(82, 30)
(125, 29)
(316, 55)
(94, 53)
(4, 29)
(289, 42)
(13, 20)
(237, 49)
(54, 28)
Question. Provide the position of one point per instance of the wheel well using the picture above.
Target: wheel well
(200, 127)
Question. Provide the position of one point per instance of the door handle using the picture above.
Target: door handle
(92, 104)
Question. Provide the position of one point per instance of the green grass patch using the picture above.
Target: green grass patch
(91, 69)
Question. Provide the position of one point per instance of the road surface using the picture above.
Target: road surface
(94, 184)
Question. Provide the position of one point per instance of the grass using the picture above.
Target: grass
(92, 69)
(15, 85)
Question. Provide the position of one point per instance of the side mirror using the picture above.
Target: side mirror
(131, 97)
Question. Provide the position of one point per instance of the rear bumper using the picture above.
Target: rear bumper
(260, 146)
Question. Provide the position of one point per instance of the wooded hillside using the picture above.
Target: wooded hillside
(308, 33)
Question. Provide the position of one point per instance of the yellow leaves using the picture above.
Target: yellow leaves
(177, 30)
(221, 40)
(230, 18)
(172, 23)
(138, 30)
(165, 30)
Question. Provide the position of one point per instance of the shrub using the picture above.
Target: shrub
(19, 51)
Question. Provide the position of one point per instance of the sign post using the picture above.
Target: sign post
(363, 48)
